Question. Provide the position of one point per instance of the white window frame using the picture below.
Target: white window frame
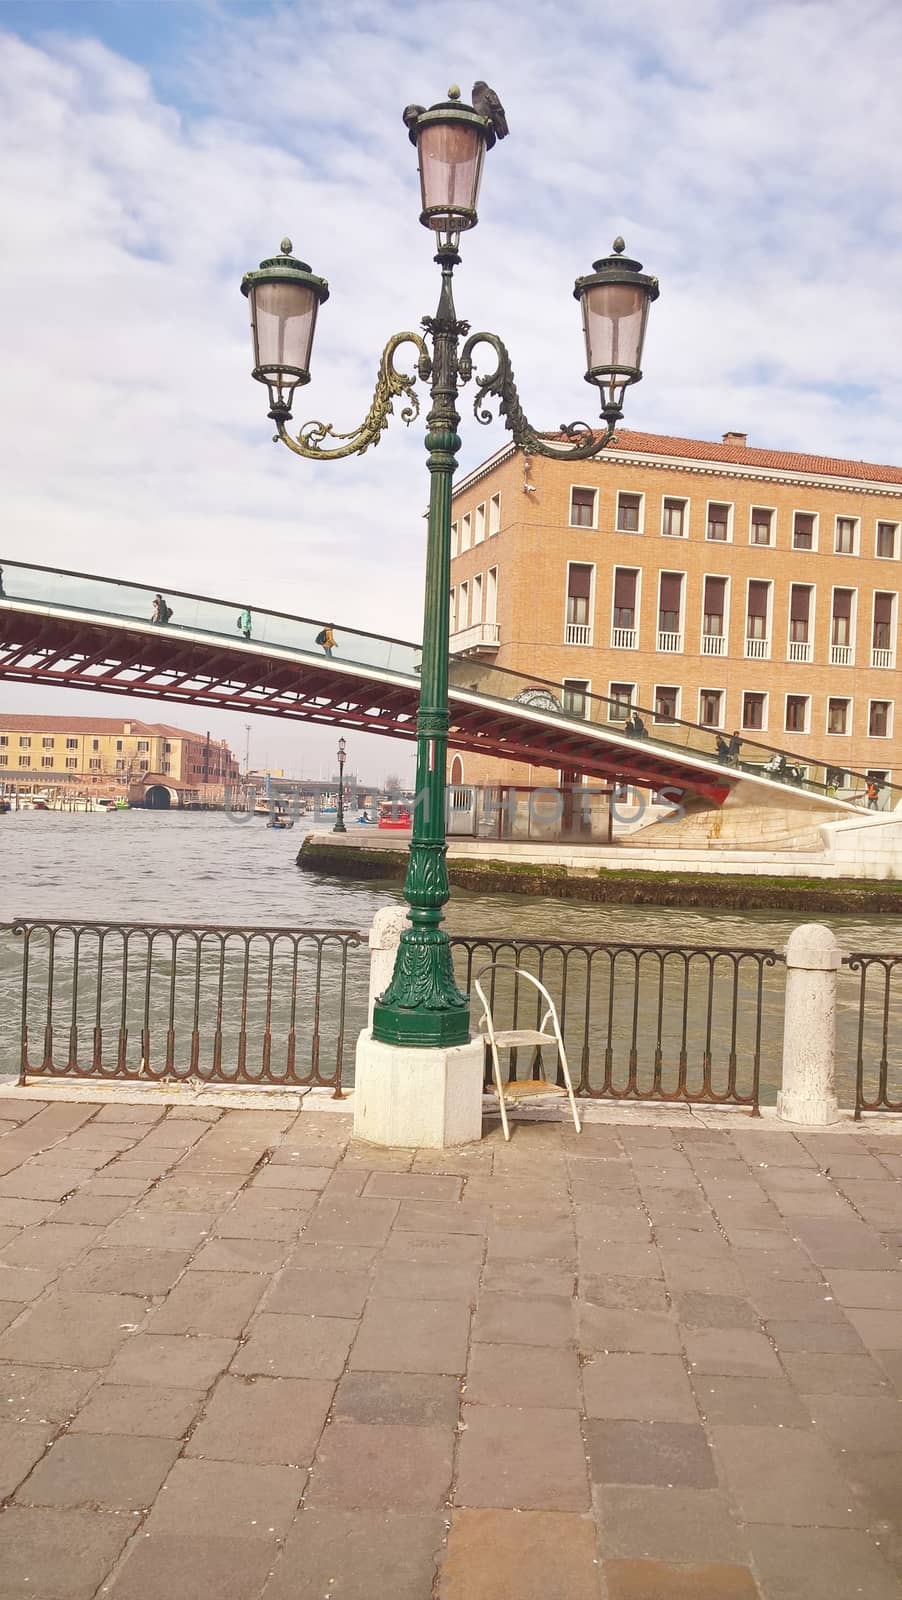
(491, 591)
(853, 625)
(727, 598)
(584, 488)
(768, 621)
(891, 717)
(793, 694)
(815, 531)
(477, 588)
(620, 567)
(463, 605)
(684, 587)
(453, 540)
(466, 531)
(591, 623)
(631, 705)
(850, 717)
(636, 494)
(479, 524)
(765, 711)
(494, 515)
(686, 502)
(664, 721)
(886, 522)
(712, 689)
(772, 542)
(452, 610)
(801, 583)
(856, 535)
(565, 684)
(731, 511)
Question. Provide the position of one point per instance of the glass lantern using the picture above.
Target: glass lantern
(284, 297)
(615, 299)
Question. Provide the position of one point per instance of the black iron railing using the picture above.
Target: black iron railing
(878, 1054)
(239, 1005)
(659, 1022)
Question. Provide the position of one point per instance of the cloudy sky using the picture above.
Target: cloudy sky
(152, 150)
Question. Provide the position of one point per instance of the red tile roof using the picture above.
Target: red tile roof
(36, 722)
(739, 455)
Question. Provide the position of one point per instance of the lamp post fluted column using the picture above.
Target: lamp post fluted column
(339, 825)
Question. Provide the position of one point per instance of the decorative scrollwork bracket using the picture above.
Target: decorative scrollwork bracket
(390, 385)
(578, 440)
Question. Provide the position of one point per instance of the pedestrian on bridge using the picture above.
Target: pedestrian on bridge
(733, 749)
(326, 638)
(244, 622)
(160, 611)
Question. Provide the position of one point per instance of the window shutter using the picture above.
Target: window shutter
(671, 590)
(883, 608)
(758, 599)
(624, 589)
(842, 602)
(579, 582)
(799, 603)
(715, 596)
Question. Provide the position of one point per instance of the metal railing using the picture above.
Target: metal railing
(878, 1055)
(683, 1023)
(230, 1005)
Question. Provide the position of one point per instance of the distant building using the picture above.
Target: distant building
(735, 587)
(109, 754)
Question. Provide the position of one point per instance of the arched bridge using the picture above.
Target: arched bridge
(85, 632)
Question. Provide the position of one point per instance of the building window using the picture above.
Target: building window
(879, 719)
(718, 521)
(71, 761)
(143, 766)
(838, 720)
(24, 741)
(143, 744)
(674, 518)
(841, 628)
(797, 713)
(844, 539)
(626, 582)
(479, 526)
(118, 744)
(667, 703)
(47, 744)
(803, 529)
(762, 525)
(887, 533)
(166, 766)
(800, 622)
(25, 761)
(167, 748)
(4, 761)
(120, 766)
(882, 641)
(670, 603)
(453, 539)
(95, 744)
(465, 533)
(494, 515)
(463, 607)
(71, 744)
(757, 632)
(714, 610)
(582, 508)
(491, 595)
(710, 708)
(575, 691)
(476, 604)
(629, 513)
(621, 700)
(579, 597)
(4, 739)
(452, 611)
(94, 763)
(46, 761)
(753, 709)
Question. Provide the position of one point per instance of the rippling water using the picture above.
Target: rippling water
(207, 868)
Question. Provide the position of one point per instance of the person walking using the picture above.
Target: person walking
(244, 622)
(872, 793)
(326, 639)
(2, 590)
(733, 749)
(160, 611)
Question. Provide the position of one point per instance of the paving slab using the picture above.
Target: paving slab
(59, 1553)
(109, 1471)
(412, 1336)
(192, 1567)
(392, 1467)
(533, 1555)
(357, 1555)
(661, 1580)
(266, 1421)
(527, 1458)
(410, 1399)
(820, 1564)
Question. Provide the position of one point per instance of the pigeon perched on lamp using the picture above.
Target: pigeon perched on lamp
(487, 104)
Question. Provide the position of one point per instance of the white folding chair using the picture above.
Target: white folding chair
(512, 1038)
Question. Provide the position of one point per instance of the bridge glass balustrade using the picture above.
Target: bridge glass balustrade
(133, 602)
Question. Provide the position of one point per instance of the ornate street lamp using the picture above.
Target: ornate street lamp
(340, 819)
(422, 1005)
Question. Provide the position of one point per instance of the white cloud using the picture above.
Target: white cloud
(749, 157)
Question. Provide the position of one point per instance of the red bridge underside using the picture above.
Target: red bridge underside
(185, 670)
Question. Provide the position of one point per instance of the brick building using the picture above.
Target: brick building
(110, 755)
(735, 587)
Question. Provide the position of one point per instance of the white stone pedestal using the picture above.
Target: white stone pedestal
(425, 1098)
(813, 958)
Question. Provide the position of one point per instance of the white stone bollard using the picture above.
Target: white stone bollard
(813, 958)
(411, 1097)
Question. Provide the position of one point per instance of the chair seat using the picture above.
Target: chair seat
(510, 1037)
(526, 1088)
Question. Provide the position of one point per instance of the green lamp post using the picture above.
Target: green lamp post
(422, 1005)
(339, 826)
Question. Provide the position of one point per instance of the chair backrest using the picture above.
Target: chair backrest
(517, 973)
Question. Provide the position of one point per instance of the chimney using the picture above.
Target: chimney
(736, 438)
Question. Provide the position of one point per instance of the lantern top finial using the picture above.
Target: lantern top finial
(286, 246)
(454, 92)
(619, 245)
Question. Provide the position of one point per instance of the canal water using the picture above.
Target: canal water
(210, 868)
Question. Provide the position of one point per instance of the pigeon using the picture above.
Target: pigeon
(409, 116)
(487, 104)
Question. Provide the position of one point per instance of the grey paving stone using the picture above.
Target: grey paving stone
(21, 1445)
(406, 1245)
(33, 1182)
(682, 1525)
(414, 1186)
(251, 1221)
(319, 1292)
(642, 1387)
(282, 1175)
(155, 1413)
(227, 1499)
(39, 1394)
(171, 1360)
(523, 1375)
(844, 1244)
(414, 1216)
(286, 1346)
(412, 1336)
(127, 1269)
(528, 1458)
(862, 1424)
(192, 1567)
(407, 1399)
(241, 1255)
(156, 1230)
(371, 1465)
(352, 1221)
(624, 1294)
(356, 1555)
(509, 1319)
(759, 1402)
(658, 1453)
(533, 1555)
(219, 1303)
(49, 1245)
(555, 1245)
(24, 1284)
(878, 1330)
(820, 1564)
(78, 1330)
(639, 1332)
(696, 1310)
(785, 1475)
(619, 1260)
(57, 1555)
(814, 1336)
(267, 1421)
(813, 1373)
(734, 1352)
(661, 1580)
(870, 1290)
(9, 1311)
(103, 1470)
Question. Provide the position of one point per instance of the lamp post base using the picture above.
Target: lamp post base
(415, 1028)
(427, 1099)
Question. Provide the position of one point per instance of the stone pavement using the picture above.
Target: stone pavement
(245, 1357)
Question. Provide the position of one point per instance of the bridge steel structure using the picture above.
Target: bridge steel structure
(78, 631)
